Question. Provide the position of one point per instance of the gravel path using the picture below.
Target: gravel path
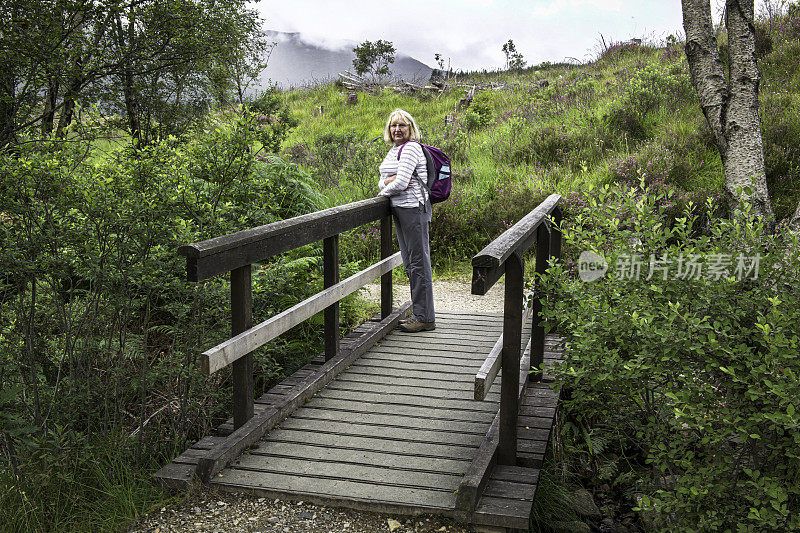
(211, 511)
(234, 513)
(451, 295)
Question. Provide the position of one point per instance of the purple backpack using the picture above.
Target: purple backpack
(438, 166)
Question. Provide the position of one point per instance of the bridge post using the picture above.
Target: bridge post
(512, 338)
(386, 280)
(543, 248)
(242, 320)
(555, 234)
(330, 267)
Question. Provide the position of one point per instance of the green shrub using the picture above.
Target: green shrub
(647, 90)
(270, 119)
(546, 145)
(452, 140)
(780, 68)
(298, 153)
(673, 48)
(764, 41)
(361, 166)
(634, 172)
(793, 21)
(361, 244)
(570, 145)
(330, 153)
(643, 91)
(479, 114)
(685, 389)
(100, 293)
(625, 123)
(468, 220)
(780, 129)
(341, 161)
(580, 89)
(620, 50)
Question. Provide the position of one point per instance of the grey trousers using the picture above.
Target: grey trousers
(412, 225)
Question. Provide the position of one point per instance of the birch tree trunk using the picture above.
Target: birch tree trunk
(731, 108)
(794, 224)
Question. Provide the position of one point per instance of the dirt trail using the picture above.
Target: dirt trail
(450, 295)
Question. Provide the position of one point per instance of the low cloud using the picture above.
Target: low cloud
(329, 43)
(472, 32)
(558, 7)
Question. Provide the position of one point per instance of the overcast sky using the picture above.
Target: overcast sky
(472, 32)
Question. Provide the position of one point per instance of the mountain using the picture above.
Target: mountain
(296, 62)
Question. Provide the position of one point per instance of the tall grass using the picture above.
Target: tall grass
(366, 118)
(563, 128)
(535, 132)
(92, 487)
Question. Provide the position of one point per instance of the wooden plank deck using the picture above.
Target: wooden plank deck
(396, 431)
(507, 495)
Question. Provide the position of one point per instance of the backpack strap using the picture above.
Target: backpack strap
(414, 174)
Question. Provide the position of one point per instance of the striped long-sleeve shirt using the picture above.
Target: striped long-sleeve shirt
(399, 191)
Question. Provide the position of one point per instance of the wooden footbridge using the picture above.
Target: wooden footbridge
(386, 421)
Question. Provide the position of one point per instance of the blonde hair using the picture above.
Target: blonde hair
(403, 116)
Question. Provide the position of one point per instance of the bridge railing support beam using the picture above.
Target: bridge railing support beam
(242, 320)
(537, 325)
(330, 275)
(512, 337)
(504, 255)
(387, 294)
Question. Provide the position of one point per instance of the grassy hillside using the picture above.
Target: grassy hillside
(560, 128)
(630, 116)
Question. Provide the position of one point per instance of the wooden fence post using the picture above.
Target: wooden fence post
(537, 333)
(386, 280)
(555, 234)
(512, 337)
(242, 320)
(330, 268)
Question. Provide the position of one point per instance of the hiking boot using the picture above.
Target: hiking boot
(413, 326)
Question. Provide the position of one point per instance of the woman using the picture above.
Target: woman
(403, 171)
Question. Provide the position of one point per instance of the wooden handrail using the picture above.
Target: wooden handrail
(489, 264)
(488, 371)
(232, 349)
(504, 255)
(236, 253)
(491, 366)
(222, 254)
